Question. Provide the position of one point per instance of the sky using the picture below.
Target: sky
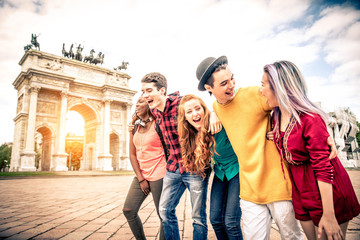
(173, 36)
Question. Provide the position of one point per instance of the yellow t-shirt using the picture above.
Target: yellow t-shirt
(246, 121)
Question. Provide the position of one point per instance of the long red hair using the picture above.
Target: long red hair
(195, 145)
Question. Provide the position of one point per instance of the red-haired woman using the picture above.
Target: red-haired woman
(198, 146)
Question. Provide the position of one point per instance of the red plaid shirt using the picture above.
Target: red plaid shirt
(167, 121)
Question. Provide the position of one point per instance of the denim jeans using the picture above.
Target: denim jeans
(134, 199)
(174, 185)
(225, 212)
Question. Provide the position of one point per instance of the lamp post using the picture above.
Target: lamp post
(70, 162)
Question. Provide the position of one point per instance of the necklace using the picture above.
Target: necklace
(143, 122)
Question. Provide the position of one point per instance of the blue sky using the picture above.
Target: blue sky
(173, 37)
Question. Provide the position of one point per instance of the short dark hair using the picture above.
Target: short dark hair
(210, 80)
(157, 78)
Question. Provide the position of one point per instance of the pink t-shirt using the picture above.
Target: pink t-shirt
(150, 154)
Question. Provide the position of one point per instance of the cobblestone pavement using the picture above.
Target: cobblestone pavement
(89, 206)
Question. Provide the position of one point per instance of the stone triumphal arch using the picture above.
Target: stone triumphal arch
(47, 88)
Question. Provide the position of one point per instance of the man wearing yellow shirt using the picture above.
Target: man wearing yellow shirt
(265, 187)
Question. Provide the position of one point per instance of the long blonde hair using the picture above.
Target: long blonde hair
(195, 145)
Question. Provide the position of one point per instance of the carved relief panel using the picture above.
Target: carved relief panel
(116, 115)
(20, 104)
(46, 108)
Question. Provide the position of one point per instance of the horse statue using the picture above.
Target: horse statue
(71, 52)
(102, 58)
(64, 52)
(90, 57)
(27, 47)
(78, 55)
(98, 59)
(122, 66)
(34, 41)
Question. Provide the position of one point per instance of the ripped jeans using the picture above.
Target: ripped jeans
(174, 185)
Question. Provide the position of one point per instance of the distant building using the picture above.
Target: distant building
(342, 126)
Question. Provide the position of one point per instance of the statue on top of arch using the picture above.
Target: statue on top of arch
(122, 66)
(78, 55)
(34, 42)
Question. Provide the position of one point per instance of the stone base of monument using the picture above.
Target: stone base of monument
(125, 164)
(27, 162)
(60, 162)
(105, 162)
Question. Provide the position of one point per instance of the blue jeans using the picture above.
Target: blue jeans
(174, 185)
(225, 212)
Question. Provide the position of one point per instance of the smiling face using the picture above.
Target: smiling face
(223, 87)
(154, 97)
(268, 92)
(141, 108)
(194, 113)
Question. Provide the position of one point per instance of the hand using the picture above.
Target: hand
(145, 187)
(215, 124)
(270, 136)
(331, 227)
(332, 145)
(131, 127)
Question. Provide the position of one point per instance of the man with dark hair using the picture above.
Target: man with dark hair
(176, 180)
(265, 188)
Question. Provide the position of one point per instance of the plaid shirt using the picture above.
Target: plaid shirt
(167, 121)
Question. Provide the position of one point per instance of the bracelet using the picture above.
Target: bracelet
(142, 180)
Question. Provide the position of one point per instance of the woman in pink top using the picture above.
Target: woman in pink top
(148, 160)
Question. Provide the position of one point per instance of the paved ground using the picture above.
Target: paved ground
(90, 207)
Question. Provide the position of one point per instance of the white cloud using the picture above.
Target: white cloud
(348, 73)
(332, 97)
(172, 37)
(345, 47)
(333, 21)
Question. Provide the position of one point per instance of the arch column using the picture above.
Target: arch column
(105, 159)
(126, 165)
(60, 156)
(27, 158)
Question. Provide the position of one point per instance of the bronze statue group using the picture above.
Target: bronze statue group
(268, 146)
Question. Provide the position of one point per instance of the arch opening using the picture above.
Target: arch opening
(43, 148)
(81, 137)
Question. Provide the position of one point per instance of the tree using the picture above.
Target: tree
(358, 133)
(5, 156)
(74, 149)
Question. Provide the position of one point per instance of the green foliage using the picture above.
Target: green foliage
(26, 174)
(358, 133)
(74, 149)
(5, 156)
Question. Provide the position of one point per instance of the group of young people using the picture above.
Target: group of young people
(272, 157)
